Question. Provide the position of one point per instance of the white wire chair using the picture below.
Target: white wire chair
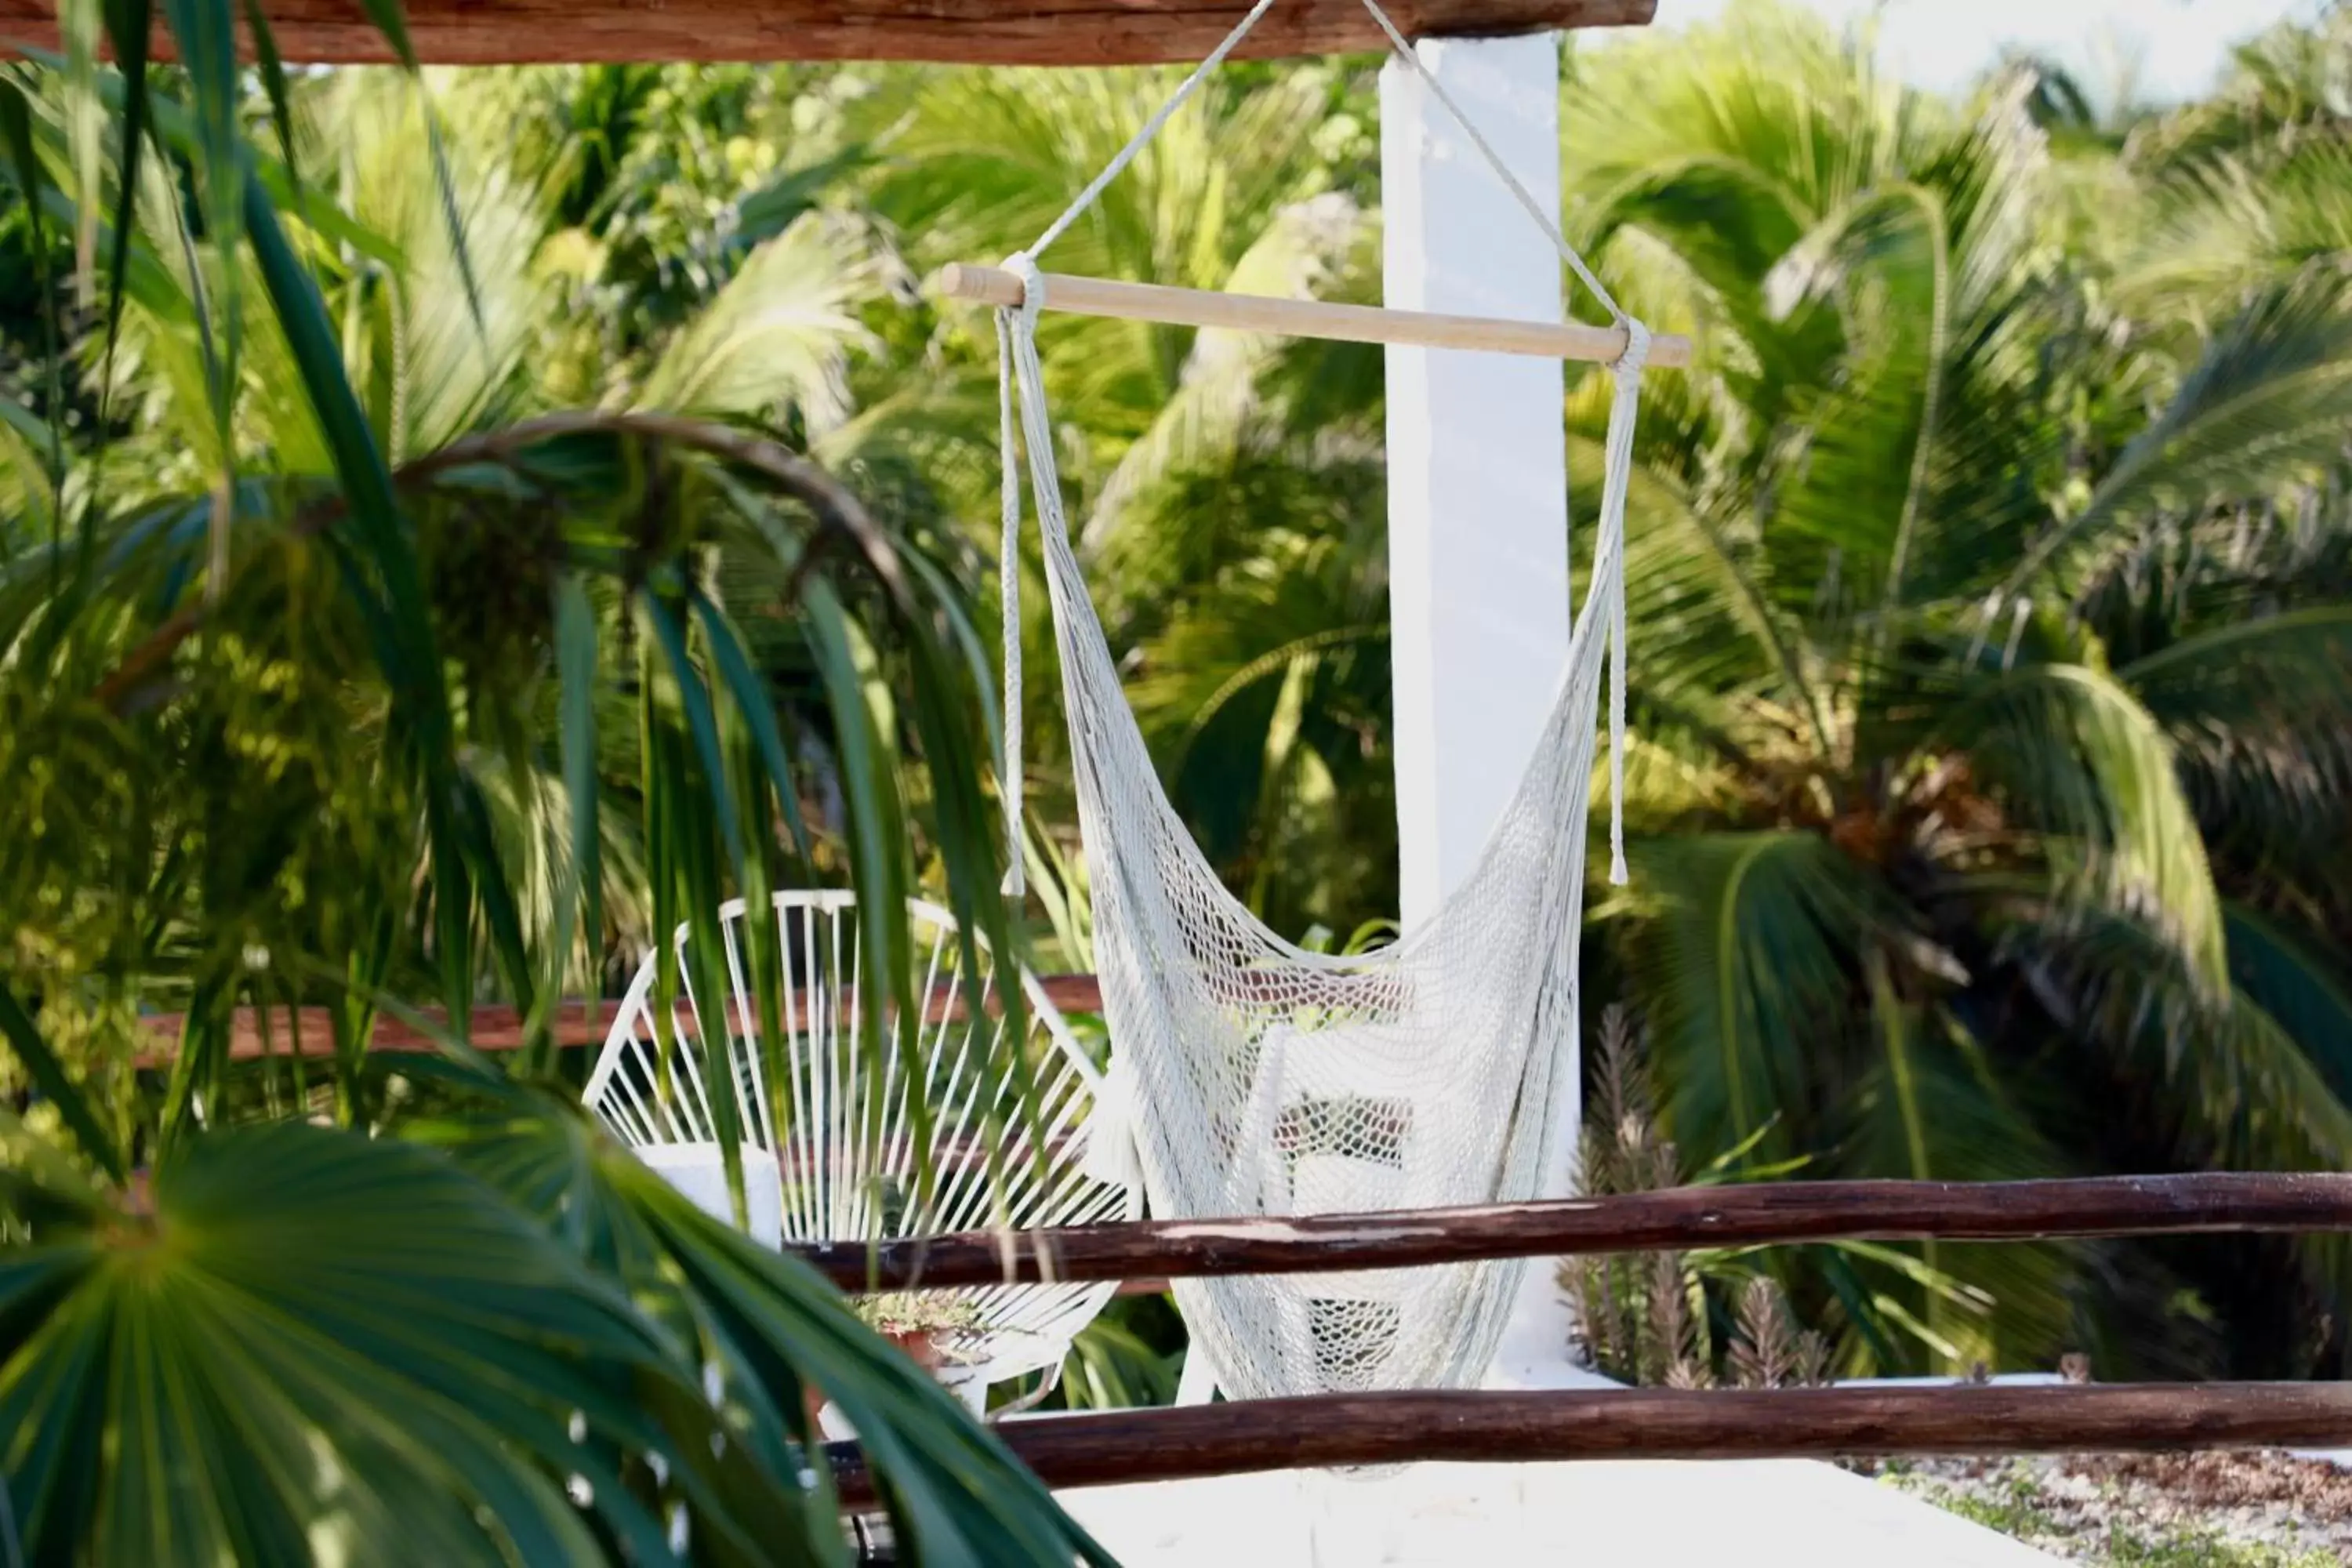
(847, 1169)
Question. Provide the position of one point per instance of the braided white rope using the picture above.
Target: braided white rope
(1008, 569)
(1617, 466)
(1551, 231)
(1024, 264)
(1143, 138)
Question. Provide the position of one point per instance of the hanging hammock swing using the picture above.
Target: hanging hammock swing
(1249, 1076)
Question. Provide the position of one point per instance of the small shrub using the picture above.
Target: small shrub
(1644, 1317)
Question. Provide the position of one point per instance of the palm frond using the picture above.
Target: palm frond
(1920, 460)
(1932, 1107)
(361, 1304)
(443, 371)
(2293, 981)
(1745, 968)
(2268, 400)
(2261, 713)
(2074, 756)
(2219, 1080)
(776, 336)
(1700, 586)
(1216, 391)
(776, 1331)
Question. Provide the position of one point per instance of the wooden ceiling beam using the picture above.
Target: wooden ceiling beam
(957, 32)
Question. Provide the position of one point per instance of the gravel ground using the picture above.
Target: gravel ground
(2152, 1511)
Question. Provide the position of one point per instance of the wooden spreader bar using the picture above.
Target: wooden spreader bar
(1305, 318)
(1655, 1424)
(1678, 1220)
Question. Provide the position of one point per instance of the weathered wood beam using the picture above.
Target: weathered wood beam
(1679, 1219)
(498, 1028)
(1237, 1438)
(957, 32)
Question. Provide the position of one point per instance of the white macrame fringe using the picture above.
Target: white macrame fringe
(1617, 465)
(1010, 777)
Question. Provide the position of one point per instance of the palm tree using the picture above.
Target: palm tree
(338, 653)
(1941, 798)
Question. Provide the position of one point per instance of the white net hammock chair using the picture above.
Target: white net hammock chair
(1255, 1077)
(845, 1169)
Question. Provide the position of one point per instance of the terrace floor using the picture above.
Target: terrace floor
(1634, 1513)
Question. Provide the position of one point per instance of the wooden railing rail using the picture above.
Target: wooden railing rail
(1655, 1424)
(1679, 1219)
(491, 1028)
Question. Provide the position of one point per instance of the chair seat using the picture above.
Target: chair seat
(699, 1171)
(849, 1170)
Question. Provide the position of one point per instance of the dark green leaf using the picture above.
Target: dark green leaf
(273, 82)
(129, 26)
(344, 1335)
(50, 1077)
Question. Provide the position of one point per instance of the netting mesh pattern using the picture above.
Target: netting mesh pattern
(1268, 1081)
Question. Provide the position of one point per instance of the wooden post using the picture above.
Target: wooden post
(499, 1027)
(952, 32)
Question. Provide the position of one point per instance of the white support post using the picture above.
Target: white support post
(1478, 596)
(1478, 548)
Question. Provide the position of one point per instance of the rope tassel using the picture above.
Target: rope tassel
(1623, 409)
(1008, 781)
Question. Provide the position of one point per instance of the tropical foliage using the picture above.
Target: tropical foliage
(1993, 661)
(1992, 628)
(354, 662)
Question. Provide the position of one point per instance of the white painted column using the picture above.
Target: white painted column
(1477, 459)
(1478, 548)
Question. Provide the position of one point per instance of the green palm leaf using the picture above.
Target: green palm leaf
(1210, 410)
(2283, 973)
(2269, 399)
(2245, 1094)
(2076, 756)
(1746, 970)
(778, 334)
(2262, 714)
(1933, 1107)
(778, 1330)
(50, 1078)
(314, 1344)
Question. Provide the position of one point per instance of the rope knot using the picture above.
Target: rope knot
(1024, 266)
(1629, 363)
